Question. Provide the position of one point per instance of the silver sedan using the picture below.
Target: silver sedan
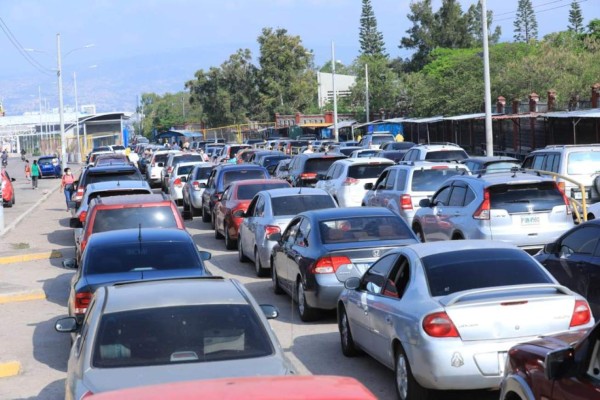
(194, 187)
(270, 212)
(444, 315)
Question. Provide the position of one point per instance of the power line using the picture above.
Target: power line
(541, 11)
(15, 42)
(537, 5)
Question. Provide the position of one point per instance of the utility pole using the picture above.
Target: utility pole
(335, 118)
(489, 135)
(367, 90)
(41, 123)
(77, 119)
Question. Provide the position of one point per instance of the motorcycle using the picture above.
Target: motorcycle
(4, 162)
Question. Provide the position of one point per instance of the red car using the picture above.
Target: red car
(557, 367)
(8, 191)
(251, 388)
(234, 202)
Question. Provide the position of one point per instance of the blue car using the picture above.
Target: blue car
(49, 167)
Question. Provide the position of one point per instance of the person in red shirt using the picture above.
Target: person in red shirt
(67, 185)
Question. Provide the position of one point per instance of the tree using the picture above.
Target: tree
(340, 68)
(525, 22)
(475, 30)
(594, 28)
(575, 18)
(420, 35)
(161, 113)
(287, 81)
(370, 39)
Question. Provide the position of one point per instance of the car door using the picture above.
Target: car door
(577, 262)
(378, 186)
(431, 218)
(256, 225)
(283, 252)
(210, 189)
(357, 307)
(458, 223)
(301, 258)
(246, 234)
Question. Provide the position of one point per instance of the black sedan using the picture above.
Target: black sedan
(316, 243)
(131, 255)
(574, 260)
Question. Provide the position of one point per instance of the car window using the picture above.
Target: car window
(581, 241)
(368, 171)
(391, 179)
(380, 183)
(398, 278)
(446, 155)
(127, 175)
(442, 196)
(538, 161)
(375, 277)
(428, 180)
(528, 197)
(184, 169)
(364, 229)
(260, 207)
(303, 233)
(181, 334)
(401, 179)
(319, 165)
(246, 192)
(457, 197)
(290, 232)
(528, 162)
(252, 206)
(202, 173)
(455, 271)
(133, 217)
(241, 175)
(293, 205)
(583, 162)
(551, 163)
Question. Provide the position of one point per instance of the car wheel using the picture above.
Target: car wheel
(590, 217)
(275, 280)
(212, 221)
(229, 242)
(306, 312)
(457, 236)
(179, 202)
(205, 216)
(260, 271)
(419, 232)
(195, 211)
(348, 347)
(241, 256)
(407, 387)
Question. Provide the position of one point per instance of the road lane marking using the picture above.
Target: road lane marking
(10, 368)
(30, 257)
(22, 296)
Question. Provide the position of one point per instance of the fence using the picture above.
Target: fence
(239, 133)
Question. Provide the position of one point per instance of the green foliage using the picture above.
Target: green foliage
(594, 28)
(163, 112)
(475, 28)
(340, 68)
(525, 22)
(370, 39)
(575, 18)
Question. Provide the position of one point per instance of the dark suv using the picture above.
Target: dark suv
(221, 177)
(105, 173)
(304, 168)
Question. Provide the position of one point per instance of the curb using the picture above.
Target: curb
(10, 368)
(22, 296)
(30, 257)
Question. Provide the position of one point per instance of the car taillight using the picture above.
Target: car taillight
(328, 264)
(196, 185)
(79, 193)
(82, 301)
(561, 187)
(483, 212)
(308, 175)
(565, 198)
(177, 182)
(86, 395)
(169, 169)
(271, 229)
(406, 202)
(581, 314)
(82, 216)
(350, 181)
(440, 325)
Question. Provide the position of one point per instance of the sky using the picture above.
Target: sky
(203, 33)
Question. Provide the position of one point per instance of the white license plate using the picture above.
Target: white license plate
(579, 196)
(530, 220)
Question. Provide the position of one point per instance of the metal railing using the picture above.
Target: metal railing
(579, 207)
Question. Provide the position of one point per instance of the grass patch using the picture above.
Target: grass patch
(19, 246)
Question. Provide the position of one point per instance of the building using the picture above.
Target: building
(343, 83)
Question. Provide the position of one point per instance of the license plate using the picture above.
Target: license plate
(530, 220)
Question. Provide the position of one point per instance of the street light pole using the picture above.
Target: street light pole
(77, 118)
(335, 118)
(63, 141)
(367, 90)
(489, 136)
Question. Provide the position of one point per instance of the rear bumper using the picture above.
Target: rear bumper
(322, 291)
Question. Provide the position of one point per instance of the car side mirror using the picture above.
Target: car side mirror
(202, 185)
(160, 164)
(369, 186)
(271, 312)
(75, 222)
(552, 248)
(66, 325)
(425, 203)
(70, 263)
(205, 255)
(275, 236)
(558, 363)
(352, 283)
(322, 177)
(183, 179)
(239, 214)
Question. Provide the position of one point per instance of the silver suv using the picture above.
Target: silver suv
(436, 152)
(578, 162)
(401, 187)
(519, 207)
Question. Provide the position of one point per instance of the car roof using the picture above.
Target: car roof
(116, 185)
(365, 160)
(347, 212)
(257, 182)
(148, 235)
(111, 168)
(430, 248)
(430, 164)
(134, 199)
(502, 177)
(283, 192)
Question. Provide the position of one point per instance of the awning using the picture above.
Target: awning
(316, 125)
(514, 116)
(394, 120)
(424, 120)
(590, 113)
(343, 124)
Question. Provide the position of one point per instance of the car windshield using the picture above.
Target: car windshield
(110, 193)
(455, 271)
(524, 198)
(583, 162)
(320, 164)
(202, 173)
(446, 155)
(127, 175)
(120, 257)
(242, 175)
(247, 192)
(369, 171)
(181, 334)
(364, 229)
(293, 205)
(429, 180)
(382, 139)
(132, 217)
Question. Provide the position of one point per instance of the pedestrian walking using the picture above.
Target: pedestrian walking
(67, 185)
(27, 171)
(35, 174)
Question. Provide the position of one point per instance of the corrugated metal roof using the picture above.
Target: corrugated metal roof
(465, 116)
(395, 120)
(427, 120)
(590, 113)
(343, 124)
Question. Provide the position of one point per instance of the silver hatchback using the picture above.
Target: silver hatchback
(517, 207)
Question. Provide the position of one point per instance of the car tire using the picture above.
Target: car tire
(205, 216)
(195, 211)
(407, 388)
(419, 232)
(241, 256)
(457, 236)
(260, 271)
(275, 280)
(306, 312)
(590, 217)
(212, 221)
(230, 244)
(348, 347)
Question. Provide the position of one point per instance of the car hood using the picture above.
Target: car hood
(97, 280)
(554, 342)
(104, 379)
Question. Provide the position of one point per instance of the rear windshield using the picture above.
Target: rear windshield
(583, 163)
(133, 217)
(502, 166)
(368, 153)
(204, 333)
(319, 165)
(382, 139)
(187, 157)
(203, 173)
(130, 175)
(267, 161)
(246, 155)
(112, 193)
(161, 157)
(247, 192)
(429, 180)
(452, 155)
(184, 169)
(480, 268)
(124, 257)
(234, 149)
(523, 198)
(243, 175)
(364, 229)
(118, 147)
(293, 205)
(369, 171)
(48, 161)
